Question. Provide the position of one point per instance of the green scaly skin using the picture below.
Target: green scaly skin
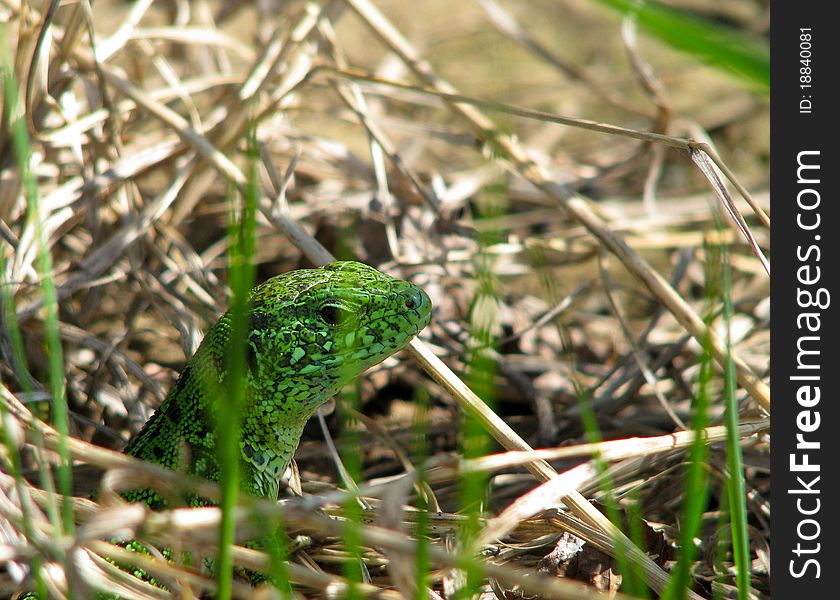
(312, 331)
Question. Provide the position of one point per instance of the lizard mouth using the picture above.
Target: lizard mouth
(394, 329)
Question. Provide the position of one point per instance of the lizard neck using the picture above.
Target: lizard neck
(265, 455)
(271, 428)
(183, 427)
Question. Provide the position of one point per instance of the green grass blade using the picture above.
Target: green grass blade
(744, 56)
(736, 487)
(241, 278)
(633, 582)
(696, 495)
(350, 445)
(482, 369)
(420, 426)
(43, 264)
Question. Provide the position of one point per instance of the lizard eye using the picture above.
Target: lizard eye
(333, 315)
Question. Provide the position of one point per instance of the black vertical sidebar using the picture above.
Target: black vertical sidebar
(804, 299)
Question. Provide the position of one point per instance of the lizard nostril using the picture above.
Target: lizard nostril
(409, 303)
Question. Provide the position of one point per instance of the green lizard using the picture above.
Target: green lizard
(311, 332)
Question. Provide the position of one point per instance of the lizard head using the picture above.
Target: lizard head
(314, 330)
(310, 332)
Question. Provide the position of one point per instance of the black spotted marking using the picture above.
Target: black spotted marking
(174, 410)
(183, 378)
(248, 451)
(159, 452)
(251, 354)
(259, 321)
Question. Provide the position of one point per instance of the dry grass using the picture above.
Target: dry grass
(555, 184)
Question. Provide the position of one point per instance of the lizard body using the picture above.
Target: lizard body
(311, 332)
